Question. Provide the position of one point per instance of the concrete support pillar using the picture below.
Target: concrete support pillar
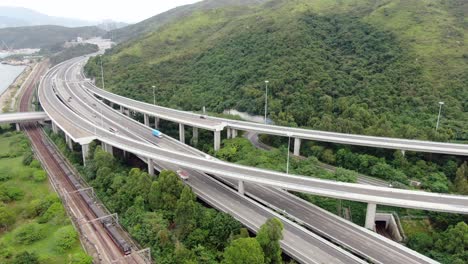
(85, 151)
(403, 152)
(297, 146)
(17, 127)
(228, 133)
(122, 110)
(195, 136)
(182, 133)
(146, 117)
(217, 140)
(69, 142)
(233, 133)
(54, 127)
(111, 104)
(125, 154)
(107, 148)
(156, 122)
(241, 188)
(370, 216)
(150, 167)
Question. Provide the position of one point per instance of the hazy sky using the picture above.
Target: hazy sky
(120, 10)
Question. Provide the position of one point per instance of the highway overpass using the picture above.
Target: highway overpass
(216, 124)
(23, 117)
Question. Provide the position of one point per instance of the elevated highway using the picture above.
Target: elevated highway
(23, 117)
(407, 256)
(298, 242)
(214, 124)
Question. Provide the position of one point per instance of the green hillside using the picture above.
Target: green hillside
(151, 24)
(43, 36)
(377, 67)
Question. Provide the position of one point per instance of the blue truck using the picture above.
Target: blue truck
(157, 133)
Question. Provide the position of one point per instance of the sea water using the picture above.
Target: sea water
(8, 74)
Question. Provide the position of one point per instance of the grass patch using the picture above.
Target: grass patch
(33, 211)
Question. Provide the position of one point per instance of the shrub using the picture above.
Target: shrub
(5, 174)
(55, 210)
(25, 258)
(64, 238)
(39, 175)
(28, 157)
(81, 258)
(29, 233)
(7, 216)
(35, 164)
(10, 193)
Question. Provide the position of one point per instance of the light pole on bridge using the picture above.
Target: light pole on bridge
(154, 94)
(438, 117)
(266, 100)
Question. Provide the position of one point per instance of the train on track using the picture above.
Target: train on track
(107, 222)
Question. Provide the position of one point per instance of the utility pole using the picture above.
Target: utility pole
(266, 100)
(438, 117)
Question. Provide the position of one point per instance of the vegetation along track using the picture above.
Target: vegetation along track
(94, 230)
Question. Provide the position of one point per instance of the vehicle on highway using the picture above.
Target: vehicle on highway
(69, 99)
(157, 133)
(113, 130)
(183, 174)
(203, 116)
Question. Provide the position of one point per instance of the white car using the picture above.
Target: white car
(183, 174)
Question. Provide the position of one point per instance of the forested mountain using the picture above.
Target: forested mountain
(376, 67)
(153, 23)
(42, 36)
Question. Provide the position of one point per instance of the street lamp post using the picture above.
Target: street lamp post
(289, 146)
(266, 100)
(438, 117)
(102, 72)
(154, 94)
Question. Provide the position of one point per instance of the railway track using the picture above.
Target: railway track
(93, 231)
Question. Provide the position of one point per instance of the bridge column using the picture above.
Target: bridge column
(111, 104)
(69, 142)
(228, 133)
(370, 216)
(241, 188)
(150, 167)
(403, 152)
(146, 117)
(18, 127)
(233, 133)
(107, 148)
(297, 146)
(54, 127)
(125, 154)
(195, 136)
(182, 133)
(217, 140)
(85, 151)
(122, 110)
(156, 122)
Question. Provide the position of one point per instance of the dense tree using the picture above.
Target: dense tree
(269, 237)
(460, 184)
(185, 212)
(244, 251)
(165, 191)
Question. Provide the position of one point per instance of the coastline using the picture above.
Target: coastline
(7, 95)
